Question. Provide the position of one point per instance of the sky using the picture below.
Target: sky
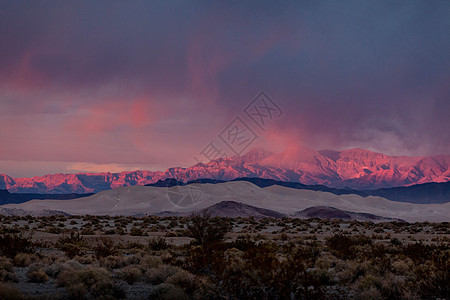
(90, 86)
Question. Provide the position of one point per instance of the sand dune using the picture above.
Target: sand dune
(152, 200)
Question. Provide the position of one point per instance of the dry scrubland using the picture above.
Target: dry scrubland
(91, 257)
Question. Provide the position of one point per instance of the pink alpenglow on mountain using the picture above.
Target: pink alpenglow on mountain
(353, 168)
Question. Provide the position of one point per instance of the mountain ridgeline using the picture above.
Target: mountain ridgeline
(354, 169)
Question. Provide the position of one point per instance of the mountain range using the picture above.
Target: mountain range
(354, 169)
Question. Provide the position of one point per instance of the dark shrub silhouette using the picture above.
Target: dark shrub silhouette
(205, 229)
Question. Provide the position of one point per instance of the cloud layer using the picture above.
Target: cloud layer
(109, 82)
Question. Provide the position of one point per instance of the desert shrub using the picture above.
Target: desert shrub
(54, 230)
(150, 261)
(282, 278)
(38, 275)
(119, 230)
(418, 252)
(243, 243)
(172, 233)
(343, 246)
(381, 287)
(25, 259)
(206, 259)
(160, 274)
(87, 231)
(53, 269)
(264, 271)
(131, 274)
(186, 281)
(167, 291)
(208, 230)
(9, 292)
(401, 267)
(13, 243)
(349, 271)
(137, 231)
(73, 238)
(85, 281)
(158, 244)
(396, 242)
(71, 244)
(104, 247)
(113, 262)
(107, 290)
(7, 270)
(433, 277)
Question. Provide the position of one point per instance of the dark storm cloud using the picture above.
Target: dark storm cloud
(348, 73)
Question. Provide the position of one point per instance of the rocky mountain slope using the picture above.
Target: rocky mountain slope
(353, 168)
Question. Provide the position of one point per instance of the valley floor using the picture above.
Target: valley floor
(104, 257)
